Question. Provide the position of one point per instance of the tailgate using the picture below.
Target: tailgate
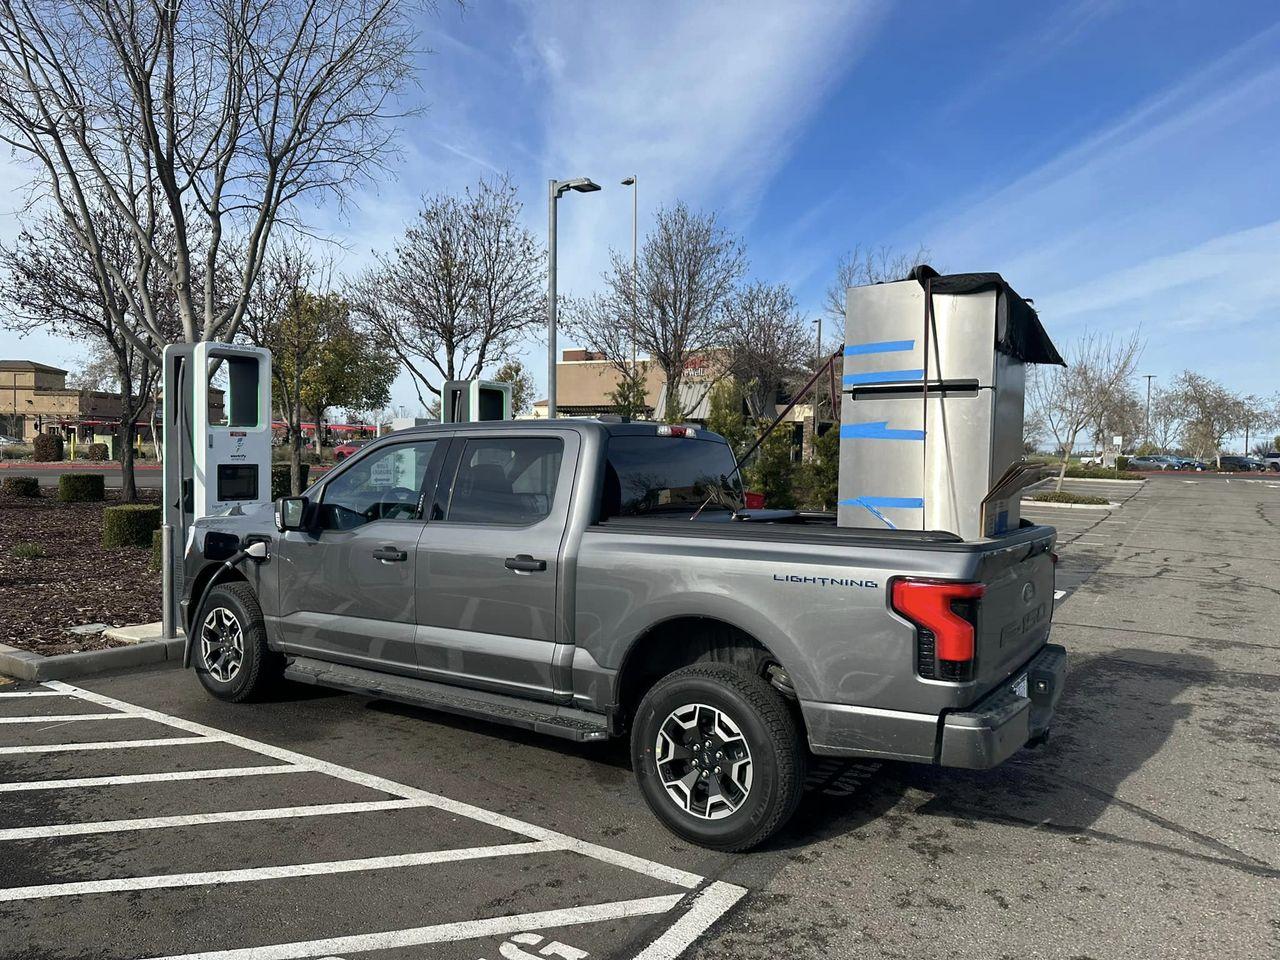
(1015, 611)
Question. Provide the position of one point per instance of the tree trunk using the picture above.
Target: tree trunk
(124, 440)
(1066, 459)
(295, 459)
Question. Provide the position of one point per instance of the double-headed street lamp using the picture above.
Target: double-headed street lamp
(555, 190)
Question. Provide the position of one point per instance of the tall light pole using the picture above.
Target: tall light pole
(633, 183)
(555, 190)
(1150, 377)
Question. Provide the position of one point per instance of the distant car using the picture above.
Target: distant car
(6, 441)
(1154, 463)
(1190, 463)
(344, 450)
(1091, 460)
(1272, 461)
(1239, 464)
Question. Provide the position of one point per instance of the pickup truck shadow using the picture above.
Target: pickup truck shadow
(1115, 715)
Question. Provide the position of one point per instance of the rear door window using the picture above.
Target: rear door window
(506, 480)
(677, 475)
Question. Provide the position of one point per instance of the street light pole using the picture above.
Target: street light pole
(555, 190)
(633, 182)
(1150, 377)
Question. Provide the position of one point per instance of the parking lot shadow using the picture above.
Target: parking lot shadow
(1115, 716)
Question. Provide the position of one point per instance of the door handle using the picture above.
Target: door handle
(390, 554)
(523, 563)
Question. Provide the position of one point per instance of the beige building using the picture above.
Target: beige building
(35, 399)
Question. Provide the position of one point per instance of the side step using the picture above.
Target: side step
(565, 722)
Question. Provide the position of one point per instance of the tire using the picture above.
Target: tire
(719, 702)
(230, 614)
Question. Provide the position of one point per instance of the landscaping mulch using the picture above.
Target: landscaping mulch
(75, 582)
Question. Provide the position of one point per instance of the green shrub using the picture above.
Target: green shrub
(47, 448)
(28, 551)
(16, 451)
(21, 486)
(97, 451)
(1065, 497)
(772, 473)
(81, 487)
(280, 479)
(157, 550)
(130, 525)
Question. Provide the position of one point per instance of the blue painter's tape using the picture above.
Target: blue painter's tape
(877, 430)
(875, 504)
(883, 346)
(895, 503)
(883, 376)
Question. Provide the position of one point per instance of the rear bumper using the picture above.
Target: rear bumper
(978, 737)
(1002, 723)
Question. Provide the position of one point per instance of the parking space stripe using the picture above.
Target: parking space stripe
(107, 745)
(65, 717)
(648, 868)
(445, 932)
(152, 777)
(200, 819)
(33, 693)
(284, 872)
(708, 907)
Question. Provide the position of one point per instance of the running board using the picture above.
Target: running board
(548, 718)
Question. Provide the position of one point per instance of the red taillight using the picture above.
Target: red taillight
(945, 615)
(753, 501)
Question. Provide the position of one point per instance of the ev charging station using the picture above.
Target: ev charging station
(468, 401)
(216, 455)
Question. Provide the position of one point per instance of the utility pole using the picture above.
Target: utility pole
(1150, 377)
(634, 183)
(813, 440)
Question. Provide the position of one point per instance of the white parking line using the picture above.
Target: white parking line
(444, 932)
(32, 693)
(151, 778)
(171, 881)
(604, 854)
(714, 899)
(107, 745)
(64, 718)
(201, 819)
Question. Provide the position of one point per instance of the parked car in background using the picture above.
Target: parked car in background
(344, 450)
(1272, 461)
(7, 441)
(1239, 464)
(1190, 463)
(1093, 459)
(1154, 463)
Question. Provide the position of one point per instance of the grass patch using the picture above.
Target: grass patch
(1065, 497)
(28, 551)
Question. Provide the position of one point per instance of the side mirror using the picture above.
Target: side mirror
(290, 513)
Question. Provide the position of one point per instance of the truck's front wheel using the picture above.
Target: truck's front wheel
(718, 756)
(229, 649)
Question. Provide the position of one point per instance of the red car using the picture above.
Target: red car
(344, 450)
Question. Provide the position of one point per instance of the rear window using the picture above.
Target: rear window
(656, 475)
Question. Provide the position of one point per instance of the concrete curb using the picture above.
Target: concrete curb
(25, 665)
(1095, 480)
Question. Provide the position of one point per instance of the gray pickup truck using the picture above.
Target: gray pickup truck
(592, 580)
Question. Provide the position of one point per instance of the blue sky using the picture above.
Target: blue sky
(1117, 162)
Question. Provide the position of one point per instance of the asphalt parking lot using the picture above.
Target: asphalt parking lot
(1147, 827)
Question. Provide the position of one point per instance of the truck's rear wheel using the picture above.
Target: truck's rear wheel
(718, 756)
(229, 649)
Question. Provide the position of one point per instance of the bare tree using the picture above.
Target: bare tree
(209, 119)
(1070, 398)
(50, 283)
(769, 344)
(866, 265)
(1167, 419)
(686, 272)
(465, 283)
(1212, 413)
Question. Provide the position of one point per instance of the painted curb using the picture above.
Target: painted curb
(25, 665)
(1070, 506)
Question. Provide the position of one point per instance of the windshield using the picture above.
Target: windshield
(652, 474)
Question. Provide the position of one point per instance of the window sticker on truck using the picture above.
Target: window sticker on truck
(827, 581)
